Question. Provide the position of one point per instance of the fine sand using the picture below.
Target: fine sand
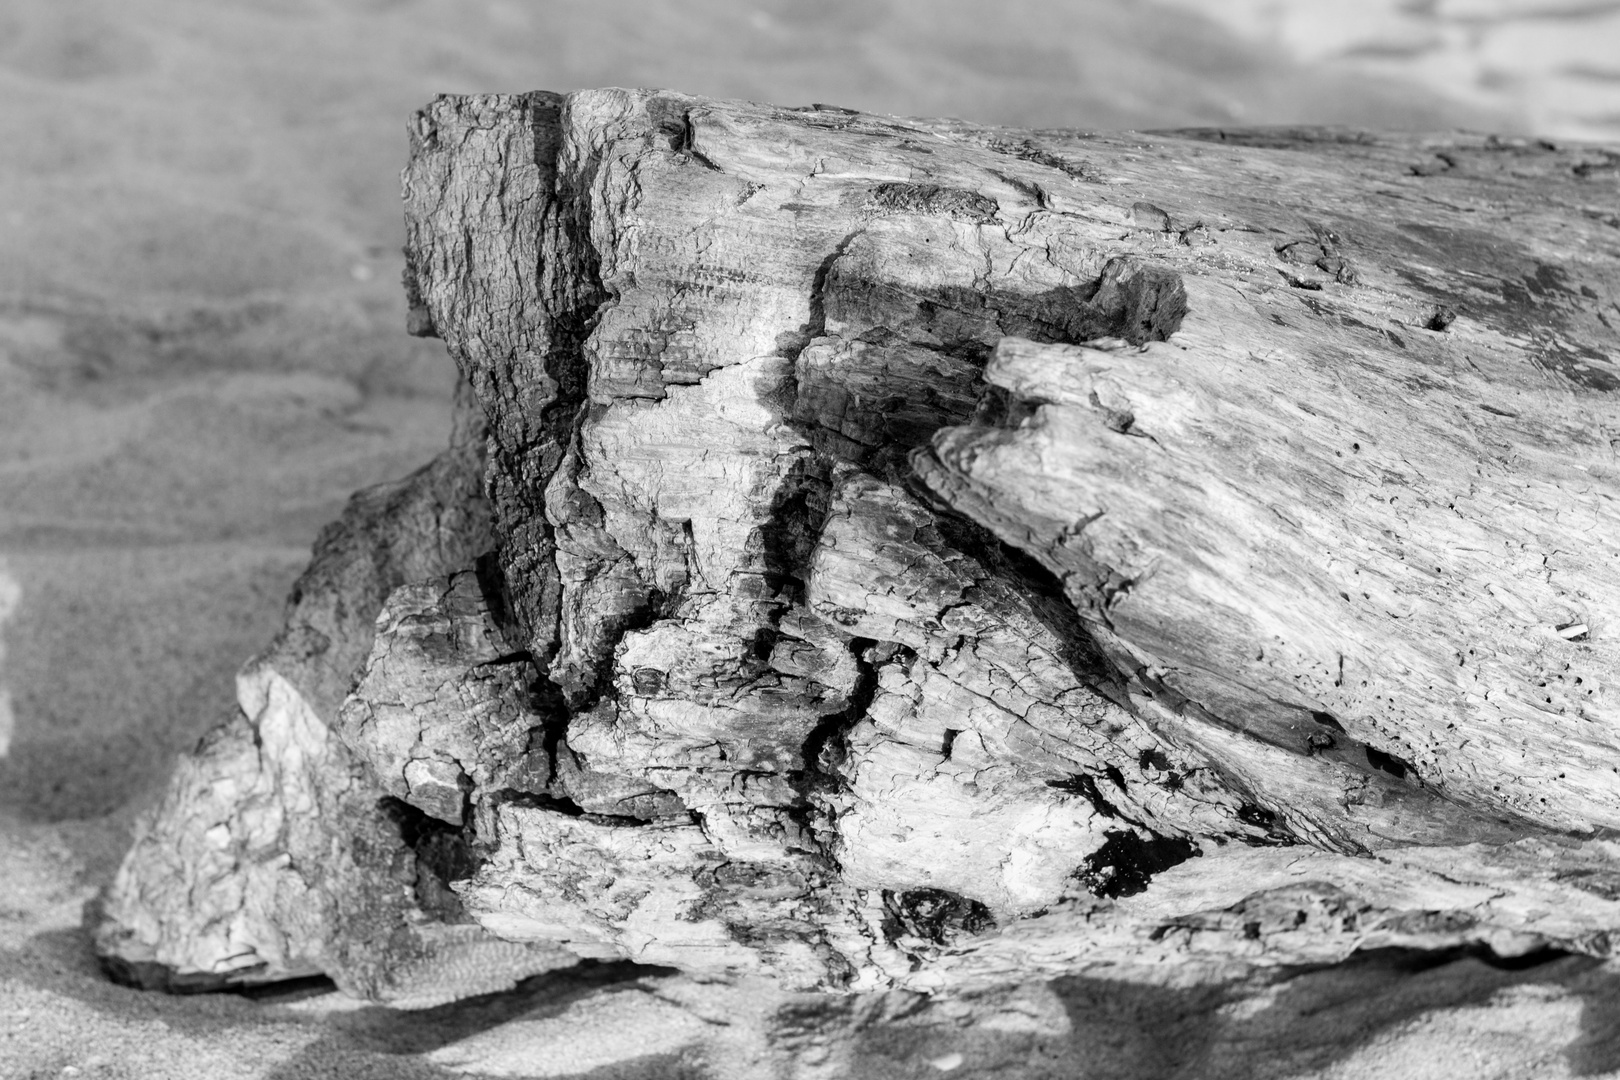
(202, 354)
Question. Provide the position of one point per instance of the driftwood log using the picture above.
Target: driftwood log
(888, 552)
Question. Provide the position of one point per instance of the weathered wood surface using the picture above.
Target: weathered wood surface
(927, 554)
(274, 853)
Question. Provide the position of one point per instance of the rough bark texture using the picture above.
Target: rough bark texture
(926, 555)
(275, 853)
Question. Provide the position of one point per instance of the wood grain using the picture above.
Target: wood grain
(925, 554)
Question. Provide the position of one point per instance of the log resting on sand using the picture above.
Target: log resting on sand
(885, 552)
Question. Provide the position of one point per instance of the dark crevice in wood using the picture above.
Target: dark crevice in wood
(1127, 862)
(444, 853)
(937, 916)
(826, 748)
(1388, 763)
(1086, 787)
(798, 513)
(1043, 592)
(560, 802)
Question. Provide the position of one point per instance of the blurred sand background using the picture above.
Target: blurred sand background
(202, 354)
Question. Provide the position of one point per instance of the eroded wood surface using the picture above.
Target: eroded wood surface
(924, 553)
